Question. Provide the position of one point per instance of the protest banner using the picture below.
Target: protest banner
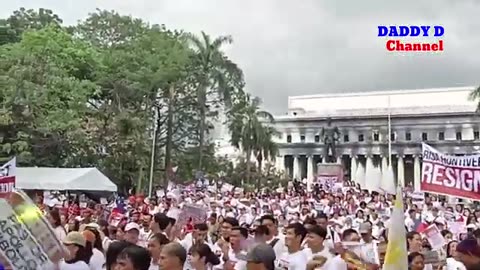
(36, 223)
(196, 213)
(19, 249)
(434, 237)
(7, 177)
(330, 176)
(450, 175)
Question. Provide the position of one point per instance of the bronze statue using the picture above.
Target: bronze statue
(330, 135)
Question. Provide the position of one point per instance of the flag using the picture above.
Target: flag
(396, 255)
(7, 177)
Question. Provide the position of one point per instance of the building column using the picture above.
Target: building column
(401, 171)
(280, 163)
(353, 168)
(360, 175)
(310, 171)
(369, 174)
(416, 172)
(296, 170)
(384, 167)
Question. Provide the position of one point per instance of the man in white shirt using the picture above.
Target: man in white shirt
(295, 258)
(273, 239)
(315, 237)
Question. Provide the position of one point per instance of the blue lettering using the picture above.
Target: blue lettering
(414, 31)
(393, 31)
(382, 31)
(439, 31)
(425, 30)
(404, 31)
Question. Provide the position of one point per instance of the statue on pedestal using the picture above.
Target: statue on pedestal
(330, 135)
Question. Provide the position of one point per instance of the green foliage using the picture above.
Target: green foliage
(12, 28)
(88, 95)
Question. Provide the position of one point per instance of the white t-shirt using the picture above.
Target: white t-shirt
(453, 264)
(80, 265)
(325, 252)
(279, 248)
(292, 261)
(60, 233)
(97, 260)
(336, 263)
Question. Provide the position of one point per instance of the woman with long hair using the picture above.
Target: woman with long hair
(90, 239)
(56, 222)
(97, 261)
(78, 256)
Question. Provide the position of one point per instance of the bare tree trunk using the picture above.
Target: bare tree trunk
(202, 107)
(249, 154)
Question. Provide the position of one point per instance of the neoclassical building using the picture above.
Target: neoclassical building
(444, 118)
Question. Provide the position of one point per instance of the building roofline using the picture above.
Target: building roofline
(385, 92)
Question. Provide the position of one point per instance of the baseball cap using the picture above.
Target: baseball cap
(262, 253)
(132, 226)
(365, 227)
(75, 238)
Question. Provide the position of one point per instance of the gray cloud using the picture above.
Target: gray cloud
(311, 46)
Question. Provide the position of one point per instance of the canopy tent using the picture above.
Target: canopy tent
(87, 179)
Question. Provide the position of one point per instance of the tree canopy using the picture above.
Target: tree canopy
(99, 93)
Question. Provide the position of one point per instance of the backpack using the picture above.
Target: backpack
(274, 242)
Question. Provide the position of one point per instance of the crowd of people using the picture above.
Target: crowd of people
(345, 228)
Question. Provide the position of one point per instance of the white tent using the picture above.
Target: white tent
(90, 179)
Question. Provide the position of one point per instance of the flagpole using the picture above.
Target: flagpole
(390, 166)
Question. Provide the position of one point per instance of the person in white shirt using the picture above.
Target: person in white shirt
(155, 244)
(55, 221)
(315, 237)
(273, 239)
(198, 236)
(145, 231)
(94, 244)
(295, 258)
(77, 255)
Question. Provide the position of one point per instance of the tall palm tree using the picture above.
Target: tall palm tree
(216, 74)
(251, 131)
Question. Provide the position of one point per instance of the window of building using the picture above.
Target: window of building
(360, 137)
(458, 136)
(424, 136)
(476, 135)
(393, 137)
(289, 138)
(408, 136)
(317, 138)
(346, 138)
(376, 136)
(302, 138)
(441, 136)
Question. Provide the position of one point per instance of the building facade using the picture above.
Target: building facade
(445, 118)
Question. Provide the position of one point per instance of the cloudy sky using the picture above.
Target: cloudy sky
(288, 47)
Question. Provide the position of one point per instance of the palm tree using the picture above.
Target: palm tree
(251, 131)
(216, 74)
(475, 95)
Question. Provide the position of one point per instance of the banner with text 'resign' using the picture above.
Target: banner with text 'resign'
(450, 175)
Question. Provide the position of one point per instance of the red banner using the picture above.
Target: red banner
(7, 178)
(450, 175)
